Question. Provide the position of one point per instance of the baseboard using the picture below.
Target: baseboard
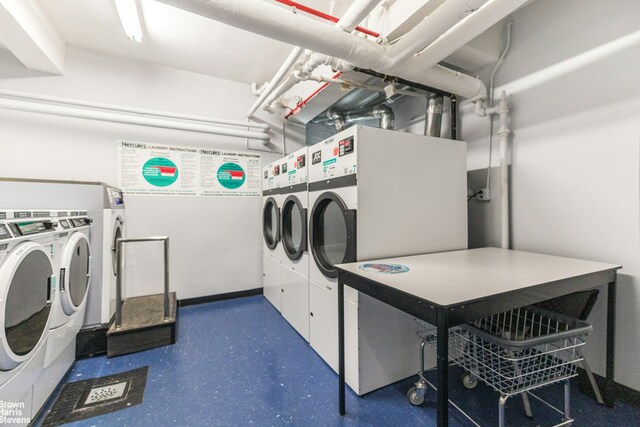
(621, 392)
(92, 341)
(219, 297)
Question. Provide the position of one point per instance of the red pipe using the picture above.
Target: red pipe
(305, 101)
(326, 16)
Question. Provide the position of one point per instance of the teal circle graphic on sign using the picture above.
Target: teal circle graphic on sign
(231, 176)
(384, 268)
(160, 172)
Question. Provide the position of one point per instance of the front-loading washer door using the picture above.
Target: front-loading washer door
(294, 228)
(118, 233)
(271, 223)
(333, 233)
(75, 272)
(26, 280)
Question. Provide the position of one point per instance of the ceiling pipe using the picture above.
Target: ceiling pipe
(287, 26)
(382, 112)
(124, 118)
(433, 26)
(277, 78)
(353, 16)
(463, 32)
(308, 99)
(7, 94)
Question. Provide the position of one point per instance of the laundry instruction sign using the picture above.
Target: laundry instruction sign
(152, 169)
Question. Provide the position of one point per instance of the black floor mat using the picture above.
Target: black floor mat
(89, 398)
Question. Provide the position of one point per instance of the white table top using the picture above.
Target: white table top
(453, 278)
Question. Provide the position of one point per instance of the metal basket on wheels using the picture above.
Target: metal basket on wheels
(513, 352)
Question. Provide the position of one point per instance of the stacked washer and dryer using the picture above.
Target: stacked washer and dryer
(45, 264)
(294, 267)
(373, 194)
(272, 252)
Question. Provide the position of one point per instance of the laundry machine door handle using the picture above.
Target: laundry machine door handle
(49, 289)
(63, 276)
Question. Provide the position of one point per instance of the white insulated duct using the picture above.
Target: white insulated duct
(465, 31)
(433, 26)
(129, 110)
(277, 78)
(32, 106)
(356, 13)
(289, 27)
(352, 17)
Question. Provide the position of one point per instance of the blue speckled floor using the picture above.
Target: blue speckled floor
(239, 363)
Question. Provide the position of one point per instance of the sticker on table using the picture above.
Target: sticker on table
(384, 268)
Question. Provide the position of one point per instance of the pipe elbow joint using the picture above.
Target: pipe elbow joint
(386, 116)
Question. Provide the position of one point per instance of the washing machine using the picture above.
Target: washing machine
(114, 228)
(27, 290)
(373, 194)
(73, 262)
(271, 252)
(294, 267)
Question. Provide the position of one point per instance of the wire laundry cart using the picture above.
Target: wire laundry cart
(513, 352)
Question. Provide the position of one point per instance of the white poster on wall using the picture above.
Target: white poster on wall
(152, 169)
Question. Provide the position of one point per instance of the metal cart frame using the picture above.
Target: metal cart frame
(513, 352)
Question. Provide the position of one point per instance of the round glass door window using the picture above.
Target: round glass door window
(79, 272)
(270, 223)
(333, 233)
(28, 302)
(294, 228)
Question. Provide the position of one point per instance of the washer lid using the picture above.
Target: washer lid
(26, 283)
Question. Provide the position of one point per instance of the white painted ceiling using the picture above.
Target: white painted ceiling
(172, 38)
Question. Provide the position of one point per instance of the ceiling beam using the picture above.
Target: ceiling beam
(27, 32)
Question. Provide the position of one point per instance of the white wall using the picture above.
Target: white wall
(226, 256)
(575, 153)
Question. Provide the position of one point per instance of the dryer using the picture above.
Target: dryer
(113, 228)
(294, 267)
(271, 253)
(373, 194)
(27, 289)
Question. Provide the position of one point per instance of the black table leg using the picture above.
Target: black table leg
(443, 367)
(609, 395)
(341, 344)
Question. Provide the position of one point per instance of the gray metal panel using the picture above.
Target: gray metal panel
(109, 193)
(411, 194)
(459, 277)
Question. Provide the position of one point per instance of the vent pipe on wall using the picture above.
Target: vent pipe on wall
(382, 112)
(433, 120)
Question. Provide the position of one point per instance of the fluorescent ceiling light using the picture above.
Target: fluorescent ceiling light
(128, 11)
